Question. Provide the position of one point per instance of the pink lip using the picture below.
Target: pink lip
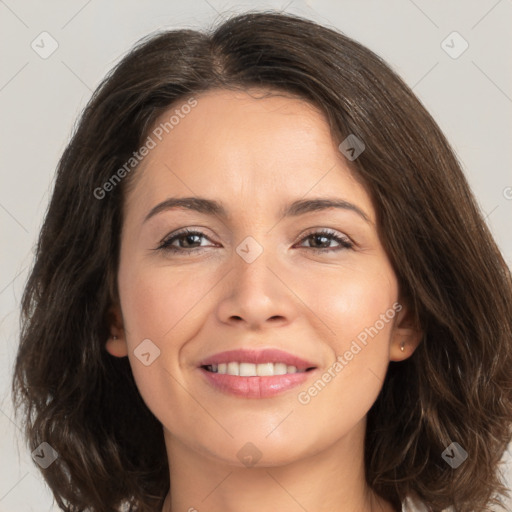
(269, 355)
(256, 387)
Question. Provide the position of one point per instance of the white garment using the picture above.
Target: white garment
(411, 504)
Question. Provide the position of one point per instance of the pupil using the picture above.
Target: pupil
(189, 238)
(318, 238)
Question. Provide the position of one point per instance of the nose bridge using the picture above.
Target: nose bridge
(252, 264)
(255, 292)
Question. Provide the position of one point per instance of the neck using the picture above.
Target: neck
(326, 481)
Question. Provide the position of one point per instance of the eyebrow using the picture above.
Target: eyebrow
(294, 209)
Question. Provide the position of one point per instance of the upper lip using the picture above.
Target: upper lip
(268, 355)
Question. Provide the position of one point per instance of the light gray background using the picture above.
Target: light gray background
(469, 96)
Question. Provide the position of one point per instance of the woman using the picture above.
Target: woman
(263, 283)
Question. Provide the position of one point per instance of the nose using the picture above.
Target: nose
(257, 294)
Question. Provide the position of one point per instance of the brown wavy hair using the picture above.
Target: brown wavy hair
(456, 387)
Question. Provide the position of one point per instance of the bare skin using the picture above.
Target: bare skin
(255, 156)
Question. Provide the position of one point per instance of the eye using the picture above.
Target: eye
(191, 237)
(325, 236)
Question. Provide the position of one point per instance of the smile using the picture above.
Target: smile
(255, 373)
(253, 370)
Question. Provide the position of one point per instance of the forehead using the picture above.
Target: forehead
(245, 145)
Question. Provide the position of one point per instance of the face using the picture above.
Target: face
(306, 295)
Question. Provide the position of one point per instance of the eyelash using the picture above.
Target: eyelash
(166, 246)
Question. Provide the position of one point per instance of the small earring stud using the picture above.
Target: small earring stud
(114, 337)
(402, 346)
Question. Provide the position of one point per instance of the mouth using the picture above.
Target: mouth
(255, 374)
(244, 369)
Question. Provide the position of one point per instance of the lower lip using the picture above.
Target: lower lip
(255, 387)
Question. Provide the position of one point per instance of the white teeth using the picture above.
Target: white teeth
(279, 369)
(247, 369)
(266, 369)
(253, 370)
(233, 369)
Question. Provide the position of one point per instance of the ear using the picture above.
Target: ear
(406, 335)
(116, 344)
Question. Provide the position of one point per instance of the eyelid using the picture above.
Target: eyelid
(179, 233)
(344, 241)
(328, 232)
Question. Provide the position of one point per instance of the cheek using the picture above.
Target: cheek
(358, 309)
(157, 302)
(349, 301)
